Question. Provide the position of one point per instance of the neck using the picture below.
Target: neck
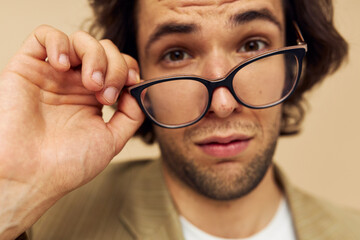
(239, 218)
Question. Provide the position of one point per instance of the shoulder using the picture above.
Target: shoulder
(91, 211)
(316, 218)
(345, 217)
(320, 219)
(115, 180)
(117, 177)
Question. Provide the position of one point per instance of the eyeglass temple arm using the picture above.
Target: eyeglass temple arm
(300, 39)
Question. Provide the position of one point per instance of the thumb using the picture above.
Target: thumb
(125, 121)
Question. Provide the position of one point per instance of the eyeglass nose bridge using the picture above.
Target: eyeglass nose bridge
(226, 82)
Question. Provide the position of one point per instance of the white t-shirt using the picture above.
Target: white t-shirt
(280, 228)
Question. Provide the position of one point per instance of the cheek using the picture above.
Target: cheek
(270, 121)
(169, 138)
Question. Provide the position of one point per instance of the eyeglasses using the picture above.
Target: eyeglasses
(262, 81)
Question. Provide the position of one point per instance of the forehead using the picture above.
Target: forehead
(153, 12)
(207, 15)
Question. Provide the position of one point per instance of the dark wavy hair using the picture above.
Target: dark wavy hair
(116, 20)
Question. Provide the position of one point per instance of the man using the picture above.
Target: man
(215, 179)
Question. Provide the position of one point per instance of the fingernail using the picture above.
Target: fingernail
(64, 60)
(134, 75)
(98, 78)
(110, 94)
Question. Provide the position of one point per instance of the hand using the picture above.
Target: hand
(53, 138)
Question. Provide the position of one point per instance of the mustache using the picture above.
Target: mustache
(211, 127)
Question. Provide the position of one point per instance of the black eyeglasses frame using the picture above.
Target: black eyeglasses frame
(298, 50)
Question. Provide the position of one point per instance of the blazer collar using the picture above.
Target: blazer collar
(148, 211)
(311, 219)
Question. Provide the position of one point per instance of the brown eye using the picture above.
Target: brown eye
(176, 56)
(251, 46)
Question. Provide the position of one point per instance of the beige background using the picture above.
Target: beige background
(324, 159)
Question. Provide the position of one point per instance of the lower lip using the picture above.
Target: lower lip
(225, 150)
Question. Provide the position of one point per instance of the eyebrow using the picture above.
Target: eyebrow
(168, 29)
(248, 16)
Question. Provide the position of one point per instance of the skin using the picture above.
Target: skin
(49, 103)
(207, 187)
(47, 110)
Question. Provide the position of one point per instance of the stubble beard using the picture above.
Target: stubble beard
(214, 184)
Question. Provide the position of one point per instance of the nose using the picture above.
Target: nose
(223, 103)
(216, 64)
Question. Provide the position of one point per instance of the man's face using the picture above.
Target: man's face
(227, 153)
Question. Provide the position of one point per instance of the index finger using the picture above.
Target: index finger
(48, 42)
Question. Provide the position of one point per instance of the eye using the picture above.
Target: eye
(176, 56)
(253, 45)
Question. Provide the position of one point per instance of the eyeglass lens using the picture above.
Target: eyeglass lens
(261, 83)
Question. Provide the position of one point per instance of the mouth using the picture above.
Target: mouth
(224, 147)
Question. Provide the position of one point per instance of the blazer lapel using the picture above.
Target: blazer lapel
(310, 218)
(148, 211)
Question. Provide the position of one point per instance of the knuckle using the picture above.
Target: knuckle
(85, 44)
(131, 62)
(107, 42)
(49, 36)
(121, 70)
(116, 75)
(49, 30)
(43, 27)
(85, 39)
(81, 38)
(80, 34)
(110, 48)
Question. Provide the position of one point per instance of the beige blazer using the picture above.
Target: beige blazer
(131, 201)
